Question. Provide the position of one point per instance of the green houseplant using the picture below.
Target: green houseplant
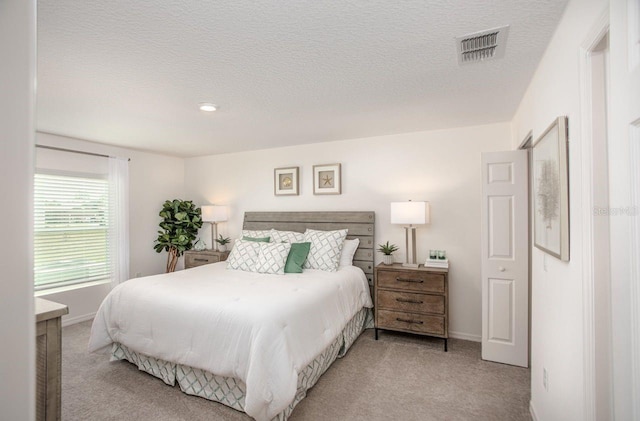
(223, 241)
(179, 227)
(387, 251)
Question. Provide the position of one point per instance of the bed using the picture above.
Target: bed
(254, 342)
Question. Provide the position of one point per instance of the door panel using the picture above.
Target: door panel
(501, 305)
(500, 227)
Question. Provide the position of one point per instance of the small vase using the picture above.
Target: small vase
(222, 247)
(387, 259)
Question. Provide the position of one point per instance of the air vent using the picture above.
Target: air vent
(483, 45)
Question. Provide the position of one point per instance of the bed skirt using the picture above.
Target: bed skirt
(230, 391)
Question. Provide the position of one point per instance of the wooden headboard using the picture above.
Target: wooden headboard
(361, 225)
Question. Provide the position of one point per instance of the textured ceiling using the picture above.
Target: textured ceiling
(132, 73)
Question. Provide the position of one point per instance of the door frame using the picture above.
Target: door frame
(527, 145)
(598, 31)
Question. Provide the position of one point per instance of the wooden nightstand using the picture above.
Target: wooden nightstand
(412, 300)
(194, 258)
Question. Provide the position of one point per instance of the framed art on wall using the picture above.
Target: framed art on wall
(285, 181)
(551, 191)
(327, 179)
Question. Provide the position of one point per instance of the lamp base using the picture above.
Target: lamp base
(214, 234)
(410, 265)
(410, 230)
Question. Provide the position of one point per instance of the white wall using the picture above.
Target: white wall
(153, 178)
(17, 329)
(557, 312)
(442, 167)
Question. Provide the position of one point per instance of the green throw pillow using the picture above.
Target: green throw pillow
(297, 256)
(257, 239)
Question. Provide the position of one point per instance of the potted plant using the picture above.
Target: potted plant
(387, 251)
(179, 227)
(222, 242)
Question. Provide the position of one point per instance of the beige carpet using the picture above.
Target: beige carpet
(400, 378)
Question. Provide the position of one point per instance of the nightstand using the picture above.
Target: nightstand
(412, 300)
(194, 258)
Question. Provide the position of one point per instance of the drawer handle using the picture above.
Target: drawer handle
(404, 300)
(419, 322)
(414, 281)
(200, 260)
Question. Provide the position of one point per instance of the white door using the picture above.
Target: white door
(624, 204)
(505, 257)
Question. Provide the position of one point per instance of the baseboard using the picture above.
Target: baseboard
(465, 336)
(77, 319)
(532, 411)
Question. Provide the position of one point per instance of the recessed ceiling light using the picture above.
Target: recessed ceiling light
(207, 106)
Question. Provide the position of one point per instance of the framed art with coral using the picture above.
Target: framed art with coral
(551, 191)
(327, 179)
(285, 181)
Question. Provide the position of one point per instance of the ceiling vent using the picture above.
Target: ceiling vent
(483, 45)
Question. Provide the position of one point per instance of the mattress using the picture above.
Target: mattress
(260, 329)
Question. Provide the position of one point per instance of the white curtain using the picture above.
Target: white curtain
(119, 219)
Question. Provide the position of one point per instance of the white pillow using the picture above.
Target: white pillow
(244, 255)
(272, 258)
(286, 236)
(348, 251)
(326, 247)
(257, 234)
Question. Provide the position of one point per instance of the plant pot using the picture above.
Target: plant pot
(222, 247)
(387, 259)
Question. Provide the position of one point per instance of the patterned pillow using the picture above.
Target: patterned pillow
(272, 258)
(256, 233)
(244, 255)
(326, 247)
(286, 236)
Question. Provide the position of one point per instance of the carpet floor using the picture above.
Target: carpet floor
(399, 377)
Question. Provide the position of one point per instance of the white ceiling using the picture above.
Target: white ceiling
(131, 73)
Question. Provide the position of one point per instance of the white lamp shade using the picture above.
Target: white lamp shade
(410, 213)
(213, 213)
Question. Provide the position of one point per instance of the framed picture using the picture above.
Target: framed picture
(327, 179)
(285, 181)
(551, 191)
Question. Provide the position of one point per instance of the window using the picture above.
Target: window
(71, 230)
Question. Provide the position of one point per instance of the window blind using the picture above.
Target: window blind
(71, 230)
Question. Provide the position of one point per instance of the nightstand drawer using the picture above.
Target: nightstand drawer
(411, 280)
(407, 301)
(191, 260)
(411, 322)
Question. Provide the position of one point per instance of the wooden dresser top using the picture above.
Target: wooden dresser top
(46, 310)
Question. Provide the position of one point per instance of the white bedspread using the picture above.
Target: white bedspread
(261, 329)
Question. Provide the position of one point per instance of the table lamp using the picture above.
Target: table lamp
(408, 214)
(214, 214)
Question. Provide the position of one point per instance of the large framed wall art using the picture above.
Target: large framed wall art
(551, 190)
